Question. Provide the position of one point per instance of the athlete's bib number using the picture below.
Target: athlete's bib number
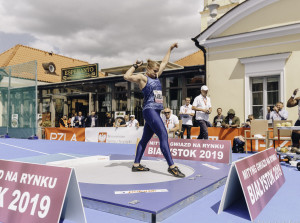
(158, 96)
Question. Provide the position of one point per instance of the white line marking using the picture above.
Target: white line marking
(141, 191)
(24, 148)
(36, 150)
(68, 155)
(210, 166)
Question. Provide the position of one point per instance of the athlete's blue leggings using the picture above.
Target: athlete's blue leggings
(154, 124)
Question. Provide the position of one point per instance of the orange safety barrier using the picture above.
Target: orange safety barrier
(65, 134)
(217, 133)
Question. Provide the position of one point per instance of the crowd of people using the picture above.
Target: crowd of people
(196, 114)
(92, 120)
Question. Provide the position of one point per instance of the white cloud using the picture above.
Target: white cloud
(112, 33)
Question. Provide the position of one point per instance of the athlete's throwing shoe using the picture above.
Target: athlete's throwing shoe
(139, 168)
(175, 172)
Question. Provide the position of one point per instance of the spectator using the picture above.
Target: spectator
(120, 122)
(72, 120)
(278, 112)
(63, 122)
(109, 122)
(186, 113)
(239, 141)
(171, 122)
(126, 120)
(92, 120)
(202, 106)
(132, 122)
(292, 102)
(231, 121)
(79, 120)
(218, 119)
(247, 124)
(238, 144)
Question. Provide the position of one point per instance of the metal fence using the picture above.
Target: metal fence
(18, 100)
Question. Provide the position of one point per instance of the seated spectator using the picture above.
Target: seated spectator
(231, 121)
(239, 141)
(120, 122)
(133, 122)
(79, 120)
(63, 122)
(109, 122)
(126, 119)
(247, 124)
(238, 144)
(278, 112)
(171, 122)
(218, 119)
(92, 120)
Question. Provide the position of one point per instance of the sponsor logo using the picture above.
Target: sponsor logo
(61, 136)
(102, 136)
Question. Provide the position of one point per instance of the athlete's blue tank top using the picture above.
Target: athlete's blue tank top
(152, 94)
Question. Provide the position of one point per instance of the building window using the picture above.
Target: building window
(174, 93)
(264, 82)
(121, 95)
(265, 92)
(104, 97)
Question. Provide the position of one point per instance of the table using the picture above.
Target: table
(286, 128)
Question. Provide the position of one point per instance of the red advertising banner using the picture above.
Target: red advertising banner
(260, 177)
(217, 151)
(31, 192)
(65, 134)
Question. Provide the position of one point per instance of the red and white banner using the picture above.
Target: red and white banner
(129, 135)
(31, 192)
(259, 176)
(122, 135)
(217, 151)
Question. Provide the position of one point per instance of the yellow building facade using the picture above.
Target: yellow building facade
(253, 57)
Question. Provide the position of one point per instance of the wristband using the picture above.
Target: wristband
(135, 66)
(293, 96)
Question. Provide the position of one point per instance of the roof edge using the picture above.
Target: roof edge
(231, 17)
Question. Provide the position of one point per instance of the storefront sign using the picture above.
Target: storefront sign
(80, 72)
(65, 134)
(217, 151)
(257, 178)
(36, 193)
(122, 135)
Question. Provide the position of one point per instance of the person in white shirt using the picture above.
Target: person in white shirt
(132, 122)
(278, 112)
(171, 122)
(202, 106)
(186, 113)
(72, 120)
